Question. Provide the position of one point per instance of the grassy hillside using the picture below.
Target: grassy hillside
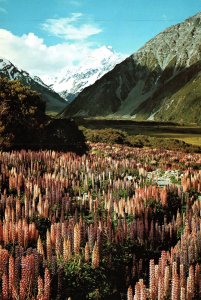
(177, 100)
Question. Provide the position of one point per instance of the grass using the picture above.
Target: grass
(188, 133)
(114, 136)
(51, 113)
(192, 140)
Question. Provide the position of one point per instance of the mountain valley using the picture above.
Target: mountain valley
(161, 81)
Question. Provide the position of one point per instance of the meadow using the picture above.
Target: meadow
(116, 223)
(188, 133)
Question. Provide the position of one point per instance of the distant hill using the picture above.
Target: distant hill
(54, 102)
(161, 81)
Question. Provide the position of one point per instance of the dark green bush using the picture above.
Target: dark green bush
(114, 136)
(24, 125)
(110, 136)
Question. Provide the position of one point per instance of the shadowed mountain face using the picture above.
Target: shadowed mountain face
(161, 81)
(54, 103)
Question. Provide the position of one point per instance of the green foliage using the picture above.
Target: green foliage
(123, 193)
(114, 136)
(174, 180)
(139, 141)
(111, 136)
(180, 232)
(42, 224)
(168, 144)
(85, 282)
(194, 193)
(174, 203)
(63, 135)
(23, 123)
(21, 115)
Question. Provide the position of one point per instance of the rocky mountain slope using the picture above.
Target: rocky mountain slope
(71, 82)
(161, 81)
(54, 102)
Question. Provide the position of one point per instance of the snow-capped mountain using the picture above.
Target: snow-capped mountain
(71, 82)
(54, 102)
(161, 81)
(11, 72)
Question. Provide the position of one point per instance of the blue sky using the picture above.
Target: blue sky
(65, 31)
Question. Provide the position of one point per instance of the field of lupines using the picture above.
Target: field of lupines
(99, 226)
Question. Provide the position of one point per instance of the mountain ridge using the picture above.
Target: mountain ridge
(54, 102)
(127, 90)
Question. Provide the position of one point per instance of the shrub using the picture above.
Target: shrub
(111, 136)
(24, 125)
(114, 136)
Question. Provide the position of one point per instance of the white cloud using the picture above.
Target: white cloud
(68, 28)
(29, 52)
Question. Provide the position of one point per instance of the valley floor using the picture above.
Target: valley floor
(188, 133)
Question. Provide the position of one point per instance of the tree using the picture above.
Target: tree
(23, 123)
(22, 114)
(63, 135)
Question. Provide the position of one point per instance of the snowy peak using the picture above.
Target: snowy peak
(54, 102)
(103, 58)
(10, 71)
(70, 83)
(4, 62)
(101, 54)
(161, 81)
